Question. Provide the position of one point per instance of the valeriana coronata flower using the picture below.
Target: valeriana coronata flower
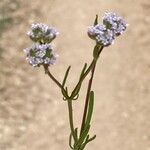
(101, 34)
(105, 34)
(42, 33)
(40, 54)
(114, 22)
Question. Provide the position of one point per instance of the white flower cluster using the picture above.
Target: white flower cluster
(42, 33)
(101, 34)
(105, 33)
(41, 53)
(116, 23)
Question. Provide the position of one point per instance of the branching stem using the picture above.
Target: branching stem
(88, 94)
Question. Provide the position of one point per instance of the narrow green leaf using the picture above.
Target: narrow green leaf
(76, 91)
(64, 94)
(76, 133)
(87, 141)
(90, 109)
(66, 75)
(78, 87)
(96, 20)
(91, 139)
(66, 90)
(83, 70)
(82, 137)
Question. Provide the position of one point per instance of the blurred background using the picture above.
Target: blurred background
(33, 115)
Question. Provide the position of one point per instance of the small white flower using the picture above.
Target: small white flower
(42, 33)
(115, 23)
(101, 34)
(40, 54)
(105, 33)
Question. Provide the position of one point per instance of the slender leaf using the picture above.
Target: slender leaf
(83, 70)
(64, 94)
(66, 75)
(96, 20)
(87, 141)
(91, 139)
(82, 137)
(76, 133)
(90, 109)
(76, 91)
(78, 87)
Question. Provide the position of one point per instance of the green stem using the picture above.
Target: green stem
(88, 93)
(87, 98)
(69, 101)
(71, 119)
(89, 69)
(83, 77)
(53, 78)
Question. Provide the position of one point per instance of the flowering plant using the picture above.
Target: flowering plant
(41, 54)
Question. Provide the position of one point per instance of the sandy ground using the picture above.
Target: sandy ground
(33, 115)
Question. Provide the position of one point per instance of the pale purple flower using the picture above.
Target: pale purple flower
(42, 54)
(105, 33)
(102, 35)
(114, 22)
(42, 33)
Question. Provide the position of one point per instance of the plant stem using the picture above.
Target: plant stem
(84, 75)
(53, 78)
(71, 119)
(69, 101)
(87, 98)
(88, 93)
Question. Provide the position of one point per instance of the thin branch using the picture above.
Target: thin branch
(88, 94)
(53, 78)
(71, 119)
